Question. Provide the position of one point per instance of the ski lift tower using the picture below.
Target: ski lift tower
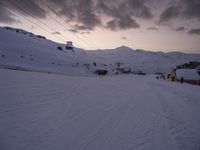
(69, 45)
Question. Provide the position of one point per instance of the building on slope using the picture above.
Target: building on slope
(188, 75)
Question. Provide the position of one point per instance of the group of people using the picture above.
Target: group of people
(162, 76)
(171, 76)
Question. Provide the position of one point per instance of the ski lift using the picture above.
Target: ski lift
(69, 45)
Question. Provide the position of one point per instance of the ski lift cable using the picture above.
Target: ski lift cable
(75, 59)
(57, 21)
(12, 3)
(53, 11)
(25, 11)
(29, 20)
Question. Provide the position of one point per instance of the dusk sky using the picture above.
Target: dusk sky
(158, 25)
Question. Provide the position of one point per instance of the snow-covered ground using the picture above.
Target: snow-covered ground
(41, 111)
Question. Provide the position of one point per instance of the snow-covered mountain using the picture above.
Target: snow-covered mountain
(140, 60)
(19, 48)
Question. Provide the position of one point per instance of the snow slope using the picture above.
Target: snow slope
(47, 112)
(23, 49)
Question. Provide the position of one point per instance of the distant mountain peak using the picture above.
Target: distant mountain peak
(124, 48)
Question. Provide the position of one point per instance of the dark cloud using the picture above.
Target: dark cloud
(82, 27)
(112, 25)
(56, 33)
(87, 14)
(77, 31)
(139, 9)
(184, 9)
(124, 13)
(169, 13)
(79, 11)
(6, 16)
(127, 22)
(73, 30)
(191, 8)
(152, 28)
(194, 31)
(26, 7)
(122, 24)
(180, 29)
(118, 9)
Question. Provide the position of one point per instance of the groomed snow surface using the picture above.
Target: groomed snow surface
(41, 111)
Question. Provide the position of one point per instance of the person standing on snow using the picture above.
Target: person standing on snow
(173, 75)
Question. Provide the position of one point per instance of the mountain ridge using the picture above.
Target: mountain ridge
(20, 43)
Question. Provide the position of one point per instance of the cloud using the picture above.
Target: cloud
(6, 16)
(87, 14)
(180, 29)
(56, 33)
(82, 12)
(82, 27)
(124, 38)
(118, 9)
(152, 28)
(112, 25)
(76, 31)
(87, 32)
(27, 7)
(73, 30)
(169, 13)
(191, 8)
(183, 9)
(194, 31)
(122, 24)
(127, 22)
(139, 9)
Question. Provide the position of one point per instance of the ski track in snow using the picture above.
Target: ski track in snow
(185, 132)
(47, 112)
